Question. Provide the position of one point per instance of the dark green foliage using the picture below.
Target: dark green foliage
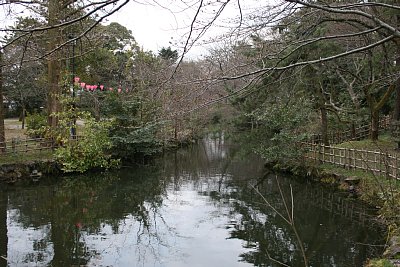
(168, 54)
(216, 118)
(108, 64)
(132, 143)
(278, 125)
(133, 131)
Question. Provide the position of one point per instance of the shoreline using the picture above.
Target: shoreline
(352, 185)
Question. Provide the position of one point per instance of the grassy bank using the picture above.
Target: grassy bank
(26, 157)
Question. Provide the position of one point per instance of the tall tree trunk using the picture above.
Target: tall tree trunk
(353, 130)
(23, 116)
(53, 64)
(323, 114)
(2, 129)
(375, 108)
(176, 130)
(374, 125)
(396, 114)
(324, 126)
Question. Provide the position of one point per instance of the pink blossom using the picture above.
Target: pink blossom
(101, 87)
(83, 85)
(110, 89)
(77, 79)
(119, 90)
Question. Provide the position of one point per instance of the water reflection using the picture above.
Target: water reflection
(196, 207)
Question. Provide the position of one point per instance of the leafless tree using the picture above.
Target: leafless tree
(375, 22)
(289, 29)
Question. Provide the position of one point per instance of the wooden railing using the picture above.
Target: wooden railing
(357, 133)
(380, 163)
(19, 145)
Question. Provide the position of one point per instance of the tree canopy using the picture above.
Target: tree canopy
(340, 57)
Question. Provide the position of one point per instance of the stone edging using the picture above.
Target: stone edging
(32, 170)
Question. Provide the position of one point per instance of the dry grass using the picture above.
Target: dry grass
(13, 129)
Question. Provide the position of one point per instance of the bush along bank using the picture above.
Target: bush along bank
(85, 155)
(378, 191)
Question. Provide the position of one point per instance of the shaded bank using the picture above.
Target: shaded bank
(379, 191)
(30, 170)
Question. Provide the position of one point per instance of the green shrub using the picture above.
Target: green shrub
(379, 263)
(36, 124)
(90, 152)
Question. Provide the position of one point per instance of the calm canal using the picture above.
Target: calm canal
(195, 207)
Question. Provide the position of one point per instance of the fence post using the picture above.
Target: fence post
(319, 153)
(314, 151)
(13, 144)
(26, 145)
(387, 165)
(362, 159)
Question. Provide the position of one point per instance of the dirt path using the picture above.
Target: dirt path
(13, 129)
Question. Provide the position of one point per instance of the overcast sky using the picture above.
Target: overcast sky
(155, 27)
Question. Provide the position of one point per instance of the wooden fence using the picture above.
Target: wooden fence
(19, 145)
(380, 163)
(357, 133)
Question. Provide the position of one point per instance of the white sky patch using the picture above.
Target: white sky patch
(23, 242)
(152, 26)
(155, 26)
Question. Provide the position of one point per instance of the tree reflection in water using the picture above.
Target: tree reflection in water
(194, 207)
(3, 228)
(71, 212)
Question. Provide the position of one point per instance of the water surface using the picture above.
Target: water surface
(195, 207)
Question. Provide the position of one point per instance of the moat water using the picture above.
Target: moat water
(201, 206)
